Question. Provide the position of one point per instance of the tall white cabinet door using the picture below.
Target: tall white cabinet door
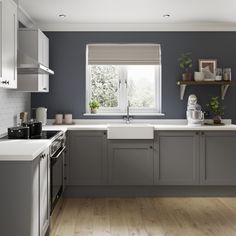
(8, 44)
(1, 39)
(44, 189)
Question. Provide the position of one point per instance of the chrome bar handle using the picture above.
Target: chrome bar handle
(62, 150)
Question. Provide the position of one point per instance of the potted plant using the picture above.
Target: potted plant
(186, 63)
(94, 105)
(216, 109)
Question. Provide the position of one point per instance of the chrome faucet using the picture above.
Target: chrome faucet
(128, 118)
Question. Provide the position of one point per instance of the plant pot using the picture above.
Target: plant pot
(187, 76)
(217, 120)
(93, 110)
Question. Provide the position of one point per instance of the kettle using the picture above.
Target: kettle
(41, 115)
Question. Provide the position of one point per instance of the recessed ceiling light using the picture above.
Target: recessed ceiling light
(166, 15)
(62, 15)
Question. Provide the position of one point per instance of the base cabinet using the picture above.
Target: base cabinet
(25, 199)
(87, 158)
(131, 162)
(218, 158)
(178, 158)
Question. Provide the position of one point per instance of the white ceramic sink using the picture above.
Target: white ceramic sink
(130, 131)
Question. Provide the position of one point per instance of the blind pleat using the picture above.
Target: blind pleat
(124, 54)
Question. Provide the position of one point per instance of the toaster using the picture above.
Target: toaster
(19, 132)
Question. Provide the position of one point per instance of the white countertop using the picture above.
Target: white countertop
(76, 127)
(27, 150)
(22, 150)
(192, 128)
(161, 127)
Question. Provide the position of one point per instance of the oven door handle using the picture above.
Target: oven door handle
(62, 150)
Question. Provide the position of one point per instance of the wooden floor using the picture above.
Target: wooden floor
(147, 217)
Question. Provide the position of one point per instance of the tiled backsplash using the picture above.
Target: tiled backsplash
(11, 104)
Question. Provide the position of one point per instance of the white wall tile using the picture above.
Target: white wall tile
(11, 104)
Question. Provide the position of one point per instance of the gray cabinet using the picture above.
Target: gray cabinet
(218, 158)
(25, 200)
(178, 158)
(131, 162)
(8, 44)
(172, 158)
(87, 158)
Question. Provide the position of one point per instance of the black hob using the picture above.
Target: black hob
(45, 135)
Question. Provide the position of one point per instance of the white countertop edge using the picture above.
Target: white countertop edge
(23, 156)
(156, 127)
(194, 128)
(169, 128)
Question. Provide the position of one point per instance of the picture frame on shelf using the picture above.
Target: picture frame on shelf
(208, 67)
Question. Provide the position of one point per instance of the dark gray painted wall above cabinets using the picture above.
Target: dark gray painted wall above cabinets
(67, 59)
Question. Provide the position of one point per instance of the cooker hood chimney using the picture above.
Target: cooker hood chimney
(29, 66)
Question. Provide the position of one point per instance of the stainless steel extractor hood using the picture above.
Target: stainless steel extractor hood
(28, 66)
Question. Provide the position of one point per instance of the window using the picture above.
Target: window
(122, 74)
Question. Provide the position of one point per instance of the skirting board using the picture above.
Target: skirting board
(150, 191)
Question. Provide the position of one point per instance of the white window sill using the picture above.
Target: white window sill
(123, 114)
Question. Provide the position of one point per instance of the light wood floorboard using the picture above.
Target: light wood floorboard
(147, 217)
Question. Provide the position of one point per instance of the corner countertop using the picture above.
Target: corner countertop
(27, 150)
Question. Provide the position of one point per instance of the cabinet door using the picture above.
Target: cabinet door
(44, 190)
(1, 42)
(9, 44)
(43, 80)
(43, 83)
(87, 158)
(218, 158)
(131, 162)
(35, 44)
(178, 158)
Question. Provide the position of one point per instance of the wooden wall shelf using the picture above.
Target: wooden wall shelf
(224, 86)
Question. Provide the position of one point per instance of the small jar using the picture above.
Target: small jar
(59, 119)
(227, 74)
(68, 119)
(218, 74)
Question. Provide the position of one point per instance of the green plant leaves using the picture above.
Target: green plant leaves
(185, 61)
(215, 106)
(93, 104)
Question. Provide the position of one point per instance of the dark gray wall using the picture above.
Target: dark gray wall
(67, 59)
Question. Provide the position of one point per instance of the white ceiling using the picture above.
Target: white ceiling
(132, 14)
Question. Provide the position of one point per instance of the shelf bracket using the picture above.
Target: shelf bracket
(182, 90)
(224, 89)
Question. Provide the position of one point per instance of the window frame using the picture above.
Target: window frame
(122, 94)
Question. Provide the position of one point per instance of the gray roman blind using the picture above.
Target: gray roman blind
(124, 54)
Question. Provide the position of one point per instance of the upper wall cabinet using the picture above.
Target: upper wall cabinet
(8, 44)
(35, 44)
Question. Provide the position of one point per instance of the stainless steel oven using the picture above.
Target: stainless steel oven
(57, 155)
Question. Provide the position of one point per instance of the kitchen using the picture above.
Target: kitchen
(106, 137)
